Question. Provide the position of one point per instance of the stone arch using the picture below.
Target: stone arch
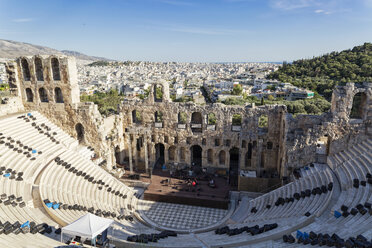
(222, 157)
(29, 95)
(212, 119)
(210, 156)
(25, 70)
(358, 106)
(159, 152)
(55, 69)
(43, 95)
(158, 92)
(158, 116)
(237, 120)
(79, 128)
(196, 121)
(58, 95)
(196, 154)
(39, 69)
(172, 153)
(136, 116)
(234, 166)
(182, 118)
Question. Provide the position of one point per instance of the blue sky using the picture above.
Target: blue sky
(190, 30)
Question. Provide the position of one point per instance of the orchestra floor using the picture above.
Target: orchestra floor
(180, 192)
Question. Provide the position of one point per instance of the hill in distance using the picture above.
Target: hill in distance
(322, 73)
(13, 49)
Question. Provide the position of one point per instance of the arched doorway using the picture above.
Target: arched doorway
(117, 155)
(196, 155)
(196, 122)
(43, 95)
(58, 95)
(80, 132)
(359, 102)
(234, 166)
(29, 95)
(159, 153)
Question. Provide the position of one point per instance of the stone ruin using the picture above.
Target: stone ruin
(264, 141)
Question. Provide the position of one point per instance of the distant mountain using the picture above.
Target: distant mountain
(82, 56)
(13, 49)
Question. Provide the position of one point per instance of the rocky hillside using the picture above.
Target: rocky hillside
(12, 49)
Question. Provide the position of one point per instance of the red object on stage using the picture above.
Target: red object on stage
(193, 183)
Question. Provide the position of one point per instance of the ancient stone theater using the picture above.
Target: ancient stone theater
(168, 174)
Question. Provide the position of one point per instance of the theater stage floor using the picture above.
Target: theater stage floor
(178, 191)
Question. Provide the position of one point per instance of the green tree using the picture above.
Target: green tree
(270, 98)
(237, 90)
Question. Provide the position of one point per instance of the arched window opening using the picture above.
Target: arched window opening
(80, 132)
(196, 155)
(359, 102)
(58, 95)
(196, 122)
(234, 166)
(263, 121)
(182, 118)
(25, 70)
(158, 116)
(29, 95)
(55, 69)
(158, 93)
(136, 117)
(236, 123)
(237, 120)
(212, 119)
(172, 153)
(210, 156)
(43, 95)
(39, 69)
(222, 157)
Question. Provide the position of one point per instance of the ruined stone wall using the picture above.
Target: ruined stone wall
(48, 84)
(341, 132)
(212, 139)
(284, 144)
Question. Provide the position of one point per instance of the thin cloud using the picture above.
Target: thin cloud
(291, 4)
(20, 20)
